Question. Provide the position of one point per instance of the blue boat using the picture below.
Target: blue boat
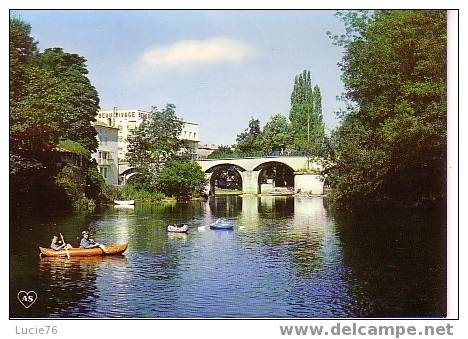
(221, 224)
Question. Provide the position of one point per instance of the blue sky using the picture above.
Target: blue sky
(218, 67)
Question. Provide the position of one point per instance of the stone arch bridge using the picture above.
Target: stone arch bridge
(307, 177)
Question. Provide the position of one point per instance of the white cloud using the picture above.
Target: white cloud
(198, 52)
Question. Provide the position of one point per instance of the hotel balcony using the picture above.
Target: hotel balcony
(104, 162)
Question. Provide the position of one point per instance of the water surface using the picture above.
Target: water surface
(285, 257)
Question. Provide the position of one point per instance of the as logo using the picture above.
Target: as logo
(27, 298)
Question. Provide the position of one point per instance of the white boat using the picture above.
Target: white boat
(124, 202)
(177, 228)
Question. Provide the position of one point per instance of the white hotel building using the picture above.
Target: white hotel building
(126, 120)
(107, 151)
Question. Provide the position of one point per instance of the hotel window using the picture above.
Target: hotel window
(131, 125)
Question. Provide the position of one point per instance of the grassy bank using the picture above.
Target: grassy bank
(225, 191)
(128, 192)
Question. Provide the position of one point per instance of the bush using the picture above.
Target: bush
(71, 183)
(74, 147)
(94, 183)
(129, 192)
(181, 179)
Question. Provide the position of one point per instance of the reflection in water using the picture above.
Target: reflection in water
(285, 258)
(398, 266)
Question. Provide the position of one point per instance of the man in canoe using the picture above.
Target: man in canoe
(57, 244)
(86, 242)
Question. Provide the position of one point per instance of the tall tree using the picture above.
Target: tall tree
(51, 100)
(156, 141)
(391, 146)
(22, 49)
(81, 101)
(249, 140)
(276, 135)
(306, 115)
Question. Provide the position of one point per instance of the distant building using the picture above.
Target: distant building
(127, 120)
(107, 152)
(204, 150)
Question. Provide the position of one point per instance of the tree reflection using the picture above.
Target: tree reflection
(397, 266)
(226, 206)
(296, 227)
(62, 284)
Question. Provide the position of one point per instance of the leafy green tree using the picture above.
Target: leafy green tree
(221, 152)
(276, 135)
(307, 126)
(51, 101)
(58, 103)
(249, 140)
(391, 145)
(22, 50)
(181, 178)
(80, 101)
(156, 141)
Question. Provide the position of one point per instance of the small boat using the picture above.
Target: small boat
(84, 252)
(177, 228)
(124, 202)
(222, 225)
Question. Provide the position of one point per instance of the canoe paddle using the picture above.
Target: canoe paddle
(66, 249)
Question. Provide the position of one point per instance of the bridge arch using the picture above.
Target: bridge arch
(127, 174)
(223, 175)
(224, 164)
(274, 176)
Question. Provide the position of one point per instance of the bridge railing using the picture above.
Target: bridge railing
(259, 154)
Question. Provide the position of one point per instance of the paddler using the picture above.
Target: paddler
(86, 242)
(57, 244)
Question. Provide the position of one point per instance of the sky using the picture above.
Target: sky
(219, 68)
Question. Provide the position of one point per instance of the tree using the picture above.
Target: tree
(276, 135)
(51, 100)
(249, 140)
(156, 141)
(56, 100)
(306, 115)
(80, 102)
(181, 178)
(22, 49)
(391, 145)
(222, 151)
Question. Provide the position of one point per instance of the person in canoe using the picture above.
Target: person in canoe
(57, 244)
(86, 242)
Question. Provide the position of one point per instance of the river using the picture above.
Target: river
(285, 257)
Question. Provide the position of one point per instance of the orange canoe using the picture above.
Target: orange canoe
(83, 252)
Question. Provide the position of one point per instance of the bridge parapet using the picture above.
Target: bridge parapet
(296, 163)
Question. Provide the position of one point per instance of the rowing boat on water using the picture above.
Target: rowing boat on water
(222, 225)
(84, 252)
(124, 202)
(177, 228)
